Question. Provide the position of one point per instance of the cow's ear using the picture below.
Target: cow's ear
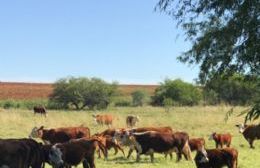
(93, 115)
(41, 127)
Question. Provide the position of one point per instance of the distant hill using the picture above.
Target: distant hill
(16, 90)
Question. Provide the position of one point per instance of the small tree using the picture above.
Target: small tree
(82, 92)
(138, 97)
(167, 103)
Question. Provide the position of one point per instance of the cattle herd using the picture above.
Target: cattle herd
(72, 146)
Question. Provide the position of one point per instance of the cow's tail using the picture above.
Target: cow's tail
(187, 151)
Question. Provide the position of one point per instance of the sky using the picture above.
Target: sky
(118, 40)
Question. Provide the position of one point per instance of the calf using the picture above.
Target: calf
(250, 133)
(196, 144)
(104, 119)
(40, 110)
(151, 141)
(221, 139)
(217, 158)
(131, 121)
(108, 143)
(75, 152)
(59, 135)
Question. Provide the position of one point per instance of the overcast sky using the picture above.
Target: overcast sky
(118, 40)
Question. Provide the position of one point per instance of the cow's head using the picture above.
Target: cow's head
(55, 156)
(123, 136)
(241, 127)
(211, 137)
(36, 132)
(202, 156)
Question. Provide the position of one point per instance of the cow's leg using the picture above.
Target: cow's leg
(99, 155)
(152, 157)
(85, 164)
(129, 153)
(137, 157)
(121, 149)
(251, 143)
(116, 150)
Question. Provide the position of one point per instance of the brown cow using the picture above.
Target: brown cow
(217, 158)
(250, 132)
(75, 152)
(104, 119)
(196, 144)
(21, 153)
(152, 141)
(131, 121)
(109, 143)
(59, 135)
(40, 110)
(221, 139)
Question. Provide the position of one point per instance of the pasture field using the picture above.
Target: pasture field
(197, 121)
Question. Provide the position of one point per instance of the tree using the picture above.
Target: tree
(179, 92)
(82, 92)
(225, 37)
(138, 97)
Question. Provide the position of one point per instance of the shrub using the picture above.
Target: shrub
(179, 92)
(138, 97)
(123, 103)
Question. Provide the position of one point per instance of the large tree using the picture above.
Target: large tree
(225, 37)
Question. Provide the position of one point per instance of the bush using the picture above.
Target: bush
(82, 92)
(179, 92)
(123, 103)
(138, 97)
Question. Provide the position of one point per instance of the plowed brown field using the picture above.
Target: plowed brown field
(10, 90)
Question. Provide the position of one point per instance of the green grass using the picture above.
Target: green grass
(197, 121)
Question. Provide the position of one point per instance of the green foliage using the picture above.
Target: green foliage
(234, 90)
(82, 92)
(138, 97)
(23, 104)
(180, 92)
(122, 103)
(167, 103)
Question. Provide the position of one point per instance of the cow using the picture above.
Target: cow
(131, 121)
(74, 152)
(221, 139)
(151, 141)
(108, 143)
(21, 153)
(59, 135)
(40, 110)
(250, 132)
(196, 144)
(106, 119)
(217, 158)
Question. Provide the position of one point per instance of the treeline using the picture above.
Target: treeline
(94, 93)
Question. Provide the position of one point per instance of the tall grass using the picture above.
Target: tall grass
(197, 121)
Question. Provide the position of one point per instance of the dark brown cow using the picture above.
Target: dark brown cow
(40, 110)
(152, 141)
(196, 144)
(217, 158)
(131, 121)
(21, 153)
(221, 139)
(250, 132)
(75, 152)
(106, 119)
(109, 143)
(59, 135)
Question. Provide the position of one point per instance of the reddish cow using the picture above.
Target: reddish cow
(196, 144)
(221, 139)
(75, 152)
(59, 135)
(104, 119)
(217, 158)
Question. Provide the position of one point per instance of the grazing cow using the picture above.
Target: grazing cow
(221, 139)
(196, 144)
(250, 132)
(217, 158)
(59, 135)
(75, 152)
(104, 119)
(21, 153)
(40, 110)
(151, 141)
(108, 143)
(131, 121)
